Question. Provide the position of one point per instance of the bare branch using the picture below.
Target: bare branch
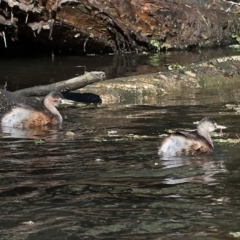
(67, 85)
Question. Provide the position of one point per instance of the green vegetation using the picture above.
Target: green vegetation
(39, 141)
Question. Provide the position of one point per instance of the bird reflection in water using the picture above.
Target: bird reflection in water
(207, 166)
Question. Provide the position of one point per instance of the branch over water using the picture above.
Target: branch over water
(67, 85)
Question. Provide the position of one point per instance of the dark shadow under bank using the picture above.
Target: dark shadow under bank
(32, 47)
(27, 47)
(23, 48)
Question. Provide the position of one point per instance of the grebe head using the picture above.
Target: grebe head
(208, 124)
(56, 98)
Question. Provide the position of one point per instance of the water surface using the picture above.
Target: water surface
(107, 181)
(104, 184)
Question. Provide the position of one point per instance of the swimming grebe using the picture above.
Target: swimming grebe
(190, 142)
(23, 112)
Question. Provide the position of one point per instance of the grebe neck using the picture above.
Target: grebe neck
(204, 133)
(49, 105)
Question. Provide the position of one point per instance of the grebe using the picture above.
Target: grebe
(190, 142)
(24, 112)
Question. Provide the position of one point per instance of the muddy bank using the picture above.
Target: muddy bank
(177, 81)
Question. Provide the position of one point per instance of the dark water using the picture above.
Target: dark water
(107, 181)
(24, 72)
(96, 185)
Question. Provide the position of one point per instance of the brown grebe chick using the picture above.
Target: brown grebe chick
(195, 142)
(23, 112)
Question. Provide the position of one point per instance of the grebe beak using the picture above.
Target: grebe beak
(66, 101)
(220, 127)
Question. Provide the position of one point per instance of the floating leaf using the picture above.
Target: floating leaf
(69, 133)
(235, 234)
(39, 141)
(28, 223)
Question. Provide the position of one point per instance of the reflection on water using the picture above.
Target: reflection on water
(33, 133)
(96, 185)
(205, 163)
(21, 73)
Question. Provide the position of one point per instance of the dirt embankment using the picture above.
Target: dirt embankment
(118, 25)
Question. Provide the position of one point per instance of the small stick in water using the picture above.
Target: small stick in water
(26, 20)
(4, 39)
